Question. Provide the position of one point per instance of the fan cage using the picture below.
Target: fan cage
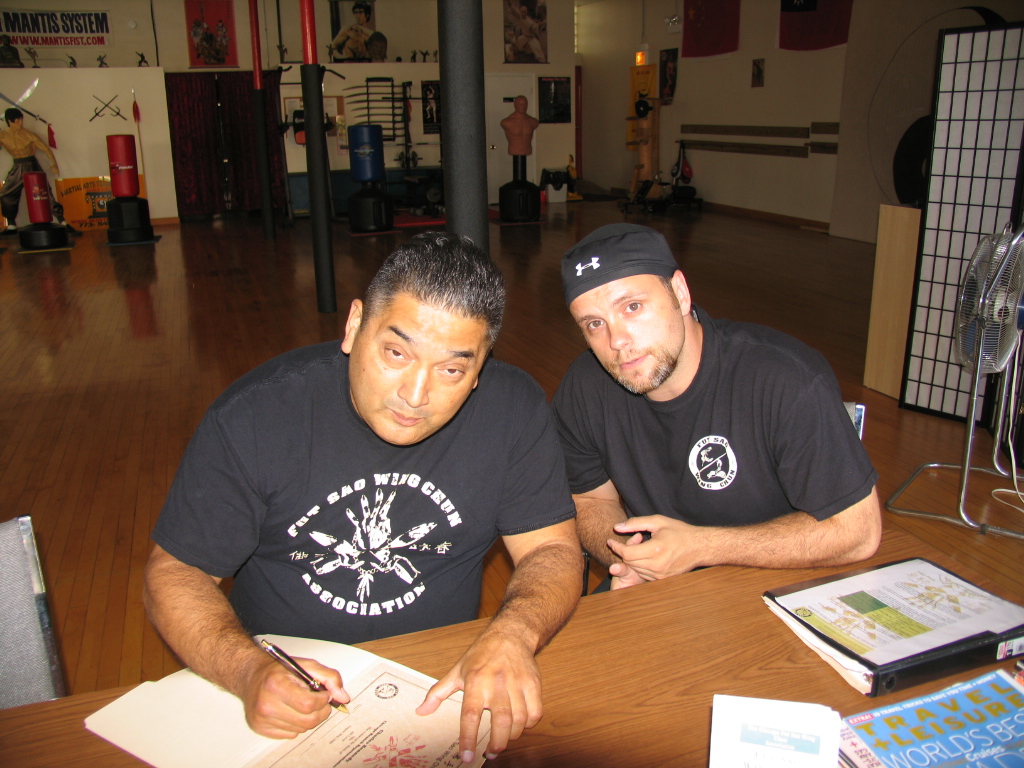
(989, 303)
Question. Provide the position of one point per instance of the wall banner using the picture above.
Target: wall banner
(85, 200)
(211, 33)
(56, 29)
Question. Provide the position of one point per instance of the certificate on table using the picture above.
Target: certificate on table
(382, 728)
(184, 721)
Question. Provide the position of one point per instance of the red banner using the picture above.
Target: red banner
(810, 25)
(710, 27)
(211, 33)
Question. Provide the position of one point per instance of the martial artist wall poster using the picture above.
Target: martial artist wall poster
(211, 33)
(431, 92)
(555, 99)
(668, 60)
(526, 31)
(354, 35)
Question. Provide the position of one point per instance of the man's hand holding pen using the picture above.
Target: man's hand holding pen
(280, 704)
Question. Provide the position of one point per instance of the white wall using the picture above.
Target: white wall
(875, 87)
(800, 88)
(408, 25)
(889, 83)
(67, 98)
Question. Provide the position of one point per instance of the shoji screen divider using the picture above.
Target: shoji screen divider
(975, 189)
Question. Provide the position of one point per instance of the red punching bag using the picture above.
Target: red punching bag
(37, 194)
(124, 169)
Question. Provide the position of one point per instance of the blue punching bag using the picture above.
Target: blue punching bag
(366, 152)
(369, 209)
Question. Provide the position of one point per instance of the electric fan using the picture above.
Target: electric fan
(987, 328)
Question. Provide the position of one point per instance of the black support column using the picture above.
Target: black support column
(463, 128)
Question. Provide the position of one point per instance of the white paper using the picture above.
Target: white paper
(903, 609)
(765, 733)
(184, 721)
(852, 671)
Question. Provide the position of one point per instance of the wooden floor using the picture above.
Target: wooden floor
(110, 355)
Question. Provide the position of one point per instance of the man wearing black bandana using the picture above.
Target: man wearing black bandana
(692, 441)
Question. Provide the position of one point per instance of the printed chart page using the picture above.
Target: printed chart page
(900, 610)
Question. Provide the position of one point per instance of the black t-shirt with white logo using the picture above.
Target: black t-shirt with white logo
(333, 533)
(761, 432)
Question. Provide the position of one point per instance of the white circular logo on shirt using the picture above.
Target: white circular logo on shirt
(713, 463)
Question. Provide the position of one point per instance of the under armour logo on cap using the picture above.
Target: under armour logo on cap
(611, 253)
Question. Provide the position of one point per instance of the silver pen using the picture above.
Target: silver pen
(308, 679)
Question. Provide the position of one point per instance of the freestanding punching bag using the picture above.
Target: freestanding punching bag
(519, 199)
(370, 209)
(42, 233)
(127, 213)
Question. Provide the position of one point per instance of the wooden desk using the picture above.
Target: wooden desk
(629, 681)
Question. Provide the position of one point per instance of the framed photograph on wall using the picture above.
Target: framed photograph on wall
(430, 90)
(354, 32)
(526, 31)
(211, 33)
(668, 61)
(555, 99)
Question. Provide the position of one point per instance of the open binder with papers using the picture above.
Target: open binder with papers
(899, 624)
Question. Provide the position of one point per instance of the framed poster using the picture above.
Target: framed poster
(354, 32)
(555, 99)
(211, 33)
(526, 31)
(668, 61)
(431, 93)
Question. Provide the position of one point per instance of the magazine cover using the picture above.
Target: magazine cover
(976, 724)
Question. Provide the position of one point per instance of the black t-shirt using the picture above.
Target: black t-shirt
(333, 533)
(761, 432)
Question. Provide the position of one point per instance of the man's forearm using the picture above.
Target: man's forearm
(198, 623)
(798, 540)
(541, 594)
(594, 521)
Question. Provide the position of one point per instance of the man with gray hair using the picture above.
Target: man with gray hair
(691, 441)
(352, 492)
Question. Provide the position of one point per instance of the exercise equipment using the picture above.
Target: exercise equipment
(370, 209)
(519, 199)
(127, 213)
(42, 233)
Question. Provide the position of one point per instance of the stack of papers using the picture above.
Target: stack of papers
(764, 733)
